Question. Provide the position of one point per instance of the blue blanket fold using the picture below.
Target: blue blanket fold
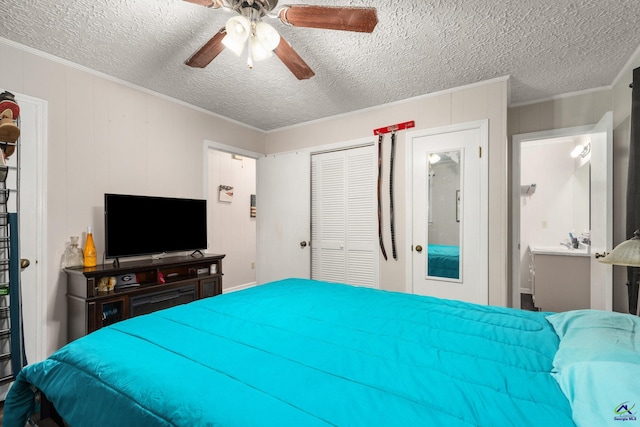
(306, 353)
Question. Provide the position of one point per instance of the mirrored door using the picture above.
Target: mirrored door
(444, 214)
(449, 221)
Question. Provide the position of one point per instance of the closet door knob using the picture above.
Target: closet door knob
(418, 248)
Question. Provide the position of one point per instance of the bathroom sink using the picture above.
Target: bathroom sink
(583, 250)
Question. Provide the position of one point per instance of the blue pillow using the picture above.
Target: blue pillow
(597, 366)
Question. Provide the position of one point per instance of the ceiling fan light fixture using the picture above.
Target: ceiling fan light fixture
(233, 45)
(258, 50)
(267, 36)
(238, 29)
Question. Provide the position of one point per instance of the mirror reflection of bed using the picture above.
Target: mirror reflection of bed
(443, 259)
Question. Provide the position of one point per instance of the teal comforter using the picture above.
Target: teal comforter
(306, 353)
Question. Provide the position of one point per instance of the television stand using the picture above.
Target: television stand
(197, 251)
(92, 302)
(159, 256)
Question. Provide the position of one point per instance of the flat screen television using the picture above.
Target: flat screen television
(144, 225)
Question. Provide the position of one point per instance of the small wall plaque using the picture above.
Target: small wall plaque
(225, 194)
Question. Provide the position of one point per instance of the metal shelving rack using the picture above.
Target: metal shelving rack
(12, 355)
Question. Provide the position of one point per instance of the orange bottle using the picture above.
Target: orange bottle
(90, 254)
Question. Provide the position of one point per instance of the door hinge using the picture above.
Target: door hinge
(480, 152)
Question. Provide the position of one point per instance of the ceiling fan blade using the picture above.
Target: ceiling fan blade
(361, 19)
(293, 61)
(208, 52)
(208, 3)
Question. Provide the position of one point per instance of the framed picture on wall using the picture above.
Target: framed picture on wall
(225, 194)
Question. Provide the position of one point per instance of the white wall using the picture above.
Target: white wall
(106, 136)
(487, 100)
(547, 215)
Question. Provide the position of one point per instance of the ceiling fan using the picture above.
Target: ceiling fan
(247, 29)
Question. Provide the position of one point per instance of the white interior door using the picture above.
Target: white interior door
(32, 152)
(343, 217)
(283, 217)
(32, 158)
(601, 212)
(328, 217)
(450, 213)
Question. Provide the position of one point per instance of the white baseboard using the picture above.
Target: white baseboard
(239, 287)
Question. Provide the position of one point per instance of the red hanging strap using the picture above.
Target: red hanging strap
(393, 128)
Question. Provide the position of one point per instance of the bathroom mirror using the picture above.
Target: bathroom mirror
(445, 213)
(558, 205)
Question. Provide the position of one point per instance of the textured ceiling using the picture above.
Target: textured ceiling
(548, 47)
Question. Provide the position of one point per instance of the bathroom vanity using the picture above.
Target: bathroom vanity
(561, 278)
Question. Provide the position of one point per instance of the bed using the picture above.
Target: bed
(306, 353)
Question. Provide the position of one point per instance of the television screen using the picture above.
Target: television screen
(143, 225)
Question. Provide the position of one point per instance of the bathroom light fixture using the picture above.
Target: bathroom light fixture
(434, 158)
(626, 253)
(581, 150)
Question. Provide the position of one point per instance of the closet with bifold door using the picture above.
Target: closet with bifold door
(343, 216)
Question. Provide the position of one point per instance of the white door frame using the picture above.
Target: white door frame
(211, 145)
(483, 126)
(516, 168)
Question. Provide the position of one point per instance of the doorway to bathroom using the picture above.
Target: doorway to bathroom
(562, 216)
